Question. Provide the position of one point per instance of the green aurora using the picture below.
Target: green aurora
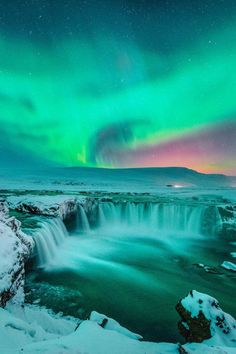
(81, 102)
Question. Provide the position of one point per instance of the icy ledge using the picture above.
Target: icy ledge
(36, 330)
(15, 248)
(57, 205)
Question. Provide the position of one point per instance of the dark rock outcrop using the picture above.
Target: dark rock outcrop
(203, 319)
(195, 329)
(63, 209)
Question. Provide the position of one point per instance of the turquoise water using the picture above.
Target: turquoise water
(134, 276)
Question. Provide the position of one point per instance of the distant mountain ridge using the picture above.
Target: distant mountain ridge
(181, 176)
(91, 178)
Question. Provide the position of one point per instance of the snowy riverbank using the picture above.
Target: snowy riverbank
(31, 329)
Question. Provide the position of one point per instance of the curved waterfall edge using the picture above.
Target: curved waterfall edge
(161, 217)
(196, 219)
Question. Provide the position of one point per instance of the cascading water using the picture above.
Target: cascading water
(162, 217)
(48, 238)
(156, 216)
(82, 219)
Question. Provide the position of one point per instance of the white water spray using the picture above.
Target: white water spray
(48, 238)
(82, 219)
(165, 217)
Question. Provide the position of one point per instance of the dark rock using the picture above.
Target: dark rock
(104, 322)
(226, 212)
(202, 318)
(193, 329)
(182, 350)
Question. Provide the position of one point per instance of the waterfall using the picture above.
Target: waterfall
(48, 238)
(157, 217)
(102, 219)
(165, 217)
(194, 220)
(82, 219)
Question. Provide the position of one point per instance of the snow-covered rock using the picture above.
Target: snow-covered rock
(229, 266)
(112, 325)
(22, 326)
(200, 348)
(53, 205)
(203, 320)
(15, 247)
(228, 216)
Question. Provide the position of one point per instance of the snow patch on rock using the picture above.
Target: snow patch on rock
(112, 325)
(229, 266)
(206, 320)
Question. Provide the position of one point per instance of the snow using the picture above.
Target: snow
(229, 266)
(36, 330)
(22, 326)
(8, 256)
(194, 306)
(91, 338)
(112, 325)
(196, 348)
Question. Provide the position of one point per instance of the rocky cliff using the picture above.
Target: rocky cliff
(15, 248)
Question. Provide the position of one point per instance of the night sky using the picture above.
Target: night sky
(118, 83)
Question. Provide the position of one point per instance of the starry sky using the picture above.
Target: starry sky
(118, 83)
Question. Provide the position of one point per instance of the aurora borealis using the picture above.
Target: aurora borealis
(148, 83)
